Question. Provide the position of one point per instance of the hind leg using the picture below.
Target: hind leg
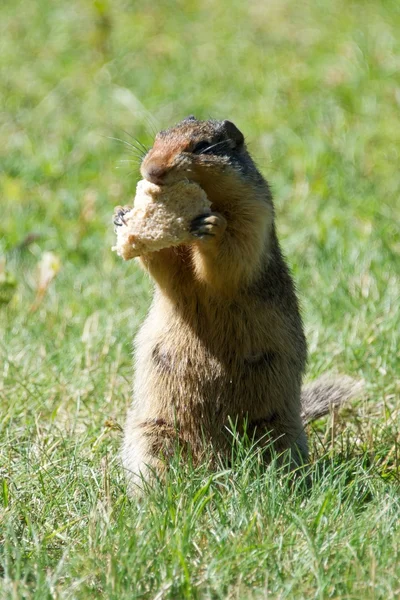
(287, 436)
(146, 448)
(299, 449)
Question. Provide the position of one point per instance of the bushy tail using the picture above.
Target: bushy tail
(319, 396)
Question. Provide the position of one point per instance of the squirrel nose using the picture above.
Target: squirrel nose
(155, 174)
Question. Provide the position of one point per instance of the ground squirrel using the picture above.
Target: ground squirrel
(223, 341)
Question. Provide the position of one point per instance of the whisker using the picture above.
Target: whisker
(139, 146)
(151, 123)
(136, 140)
(213, 146)
(140, 155)
(120, 168)
(130, 161)
(136, 154)
(109, 137)
(143, 147)
(131, 173)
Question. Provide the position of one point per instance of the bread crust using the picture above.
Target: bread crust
(160, 218)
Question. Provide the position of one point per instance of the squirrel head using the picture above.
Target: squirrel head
(211, 153)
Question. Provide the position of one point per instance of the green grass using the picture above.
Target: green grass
(315, 86)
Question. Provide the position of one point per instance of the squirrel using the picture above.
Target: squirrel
(223, 342)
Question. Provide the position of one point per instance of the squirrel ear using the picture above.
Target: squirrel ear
(190, 118)
(233, 132)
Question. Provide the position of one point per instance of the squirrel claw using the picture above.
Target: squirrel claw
(119, 214)
(207, 226)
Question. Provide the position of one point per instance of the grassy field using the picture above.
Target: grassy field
(315, 86)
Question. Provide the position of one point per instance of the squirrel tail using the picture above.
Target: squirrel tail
(319, 396)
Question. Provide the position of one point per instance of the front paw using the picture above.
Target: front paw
(119, 216)
(208, 226)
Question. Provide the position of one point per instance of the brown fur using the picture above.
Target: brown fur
(223, 341)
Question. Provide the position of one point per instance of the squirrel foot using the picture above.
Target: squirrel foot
(208, 226)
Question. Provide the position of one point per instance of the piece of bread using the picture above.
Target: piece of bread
(160, 217)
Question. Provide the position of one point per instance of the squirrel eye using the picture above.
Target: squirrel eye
(200, 147)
